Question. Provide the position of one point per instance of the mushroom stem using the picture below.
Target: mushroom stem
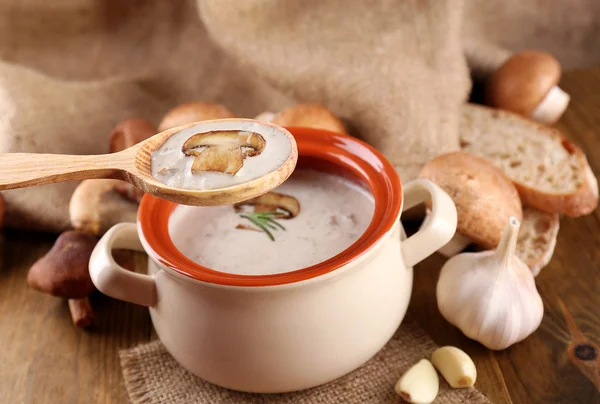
(82, 313)
(552, 106)
(458, 242)
(95, 206)
(455, 245)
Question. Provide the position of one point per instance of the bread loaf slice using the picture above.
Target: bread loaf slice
(537, 238)
(550, 173)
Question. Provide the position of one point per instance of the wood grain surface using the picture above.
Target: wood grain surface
(542, 369)
(45, 359)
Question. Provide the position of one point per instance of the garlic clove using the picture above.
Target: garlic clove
(455, 366)
(420, 383)
(491, 296)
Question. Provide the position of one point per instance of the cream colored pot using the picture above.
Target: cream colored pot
(291, 331)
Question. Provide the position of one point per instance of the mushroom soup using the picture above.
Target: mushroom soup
(310, 218)
(222, 155)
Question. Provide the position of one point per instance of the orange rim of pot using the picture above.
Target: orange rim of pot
(318, 150)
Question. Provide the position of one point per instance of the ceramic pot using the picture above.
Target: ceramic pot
(289, 331)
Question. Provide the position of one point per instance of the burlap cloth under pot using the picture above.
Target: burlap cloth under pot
(152, 376)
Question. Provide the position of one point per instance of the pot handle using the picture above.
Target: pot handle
(440, 226)
(112, 279)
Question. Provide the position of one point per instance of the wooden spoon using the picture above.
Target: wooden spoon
(133, 165)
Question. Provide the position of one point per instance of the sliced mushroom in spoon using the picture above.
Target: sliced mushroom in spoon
(222, 151)
(274, 165)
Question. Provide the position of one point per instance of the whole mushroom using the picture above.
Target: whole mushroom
(310, 116)
(484, 197)
(527, 83)
(97, 205)
(63, 272)
(130, 132)
(126, 134)
(193, 112)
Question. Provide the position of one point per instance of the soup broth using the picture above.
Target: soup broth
(310, 218)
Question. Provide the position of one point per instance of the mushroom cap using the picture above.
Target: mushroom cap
(522, 82)
(484, 197)
(193, 112)
(63, 271)
(309, 116)
(130, 132)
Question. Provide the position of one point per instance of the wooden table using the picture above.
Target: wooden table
(44, 359)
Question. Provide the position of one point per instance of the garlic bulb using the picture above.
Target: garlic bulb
(491, 295)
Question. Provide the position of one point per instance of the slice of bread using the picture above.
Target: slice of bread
(537, 238)
(550, 172)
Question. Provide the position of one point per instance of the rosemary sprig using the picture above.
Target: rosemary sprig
(264, 221)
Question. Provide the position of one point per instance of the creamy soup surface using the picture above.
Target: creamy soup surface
(174, 168)
(334, 213)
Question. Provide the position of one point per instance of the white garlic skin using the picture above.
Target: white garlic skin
(491, 296)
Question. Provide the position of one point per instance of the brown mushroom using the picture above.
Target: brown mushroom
(63, 272)
(126, 134)
(193, 112)
(527, 84)
(310, 116)
(97, 205)
(484, 197)
(273, 202)
(129, 133)
(222, 151)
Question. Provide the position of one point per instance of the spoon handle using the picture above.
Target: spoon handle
(18, 170)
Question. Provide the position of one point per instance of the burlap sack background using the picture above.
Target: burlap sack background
(396, 69)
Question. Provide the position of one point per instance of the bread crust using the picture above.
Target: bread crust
(537, 238)
(581, 201)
